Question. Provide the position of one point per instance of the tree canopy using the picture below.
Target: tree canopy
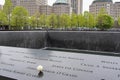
(7, 8)
(3, 18)
(104, 22)
(119, 21)
(19, 17)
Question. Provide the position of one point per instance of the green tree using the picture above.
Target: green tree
(102, 11)
(86, 17)
(92, 21)
(119, 21)
(52, 20)
(43, 20)
(68, 21)
(58, 23)
(3, 18)
(34, 20)
(7, 9)
(73, 20)
(80, 20)
(104, 22)
(89, 20)
(19, 17)
(65, 20)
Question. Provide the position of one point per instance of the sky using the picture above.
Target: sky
(86, 3)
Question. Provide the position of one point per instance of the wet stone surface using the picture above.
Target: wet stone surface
(21, 64)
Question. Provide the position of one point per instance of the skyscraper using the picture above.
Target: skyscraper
(31, 5)
(76, 5)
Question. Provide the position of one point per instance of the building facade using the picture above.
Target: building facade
(42, 2)
(45, 9)
(111, 8)
(61, 7)
(58, 8)
(116, 12)
(76, 5)
(31, 5)
(97, 5)
(1, 7)
(15, 2)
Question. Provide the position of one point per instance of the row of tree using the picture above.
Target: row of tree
(18, 18)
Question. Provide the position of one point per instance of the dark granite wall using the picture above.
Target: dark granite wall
(85, 40)
(90, 40)
(26, 39)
